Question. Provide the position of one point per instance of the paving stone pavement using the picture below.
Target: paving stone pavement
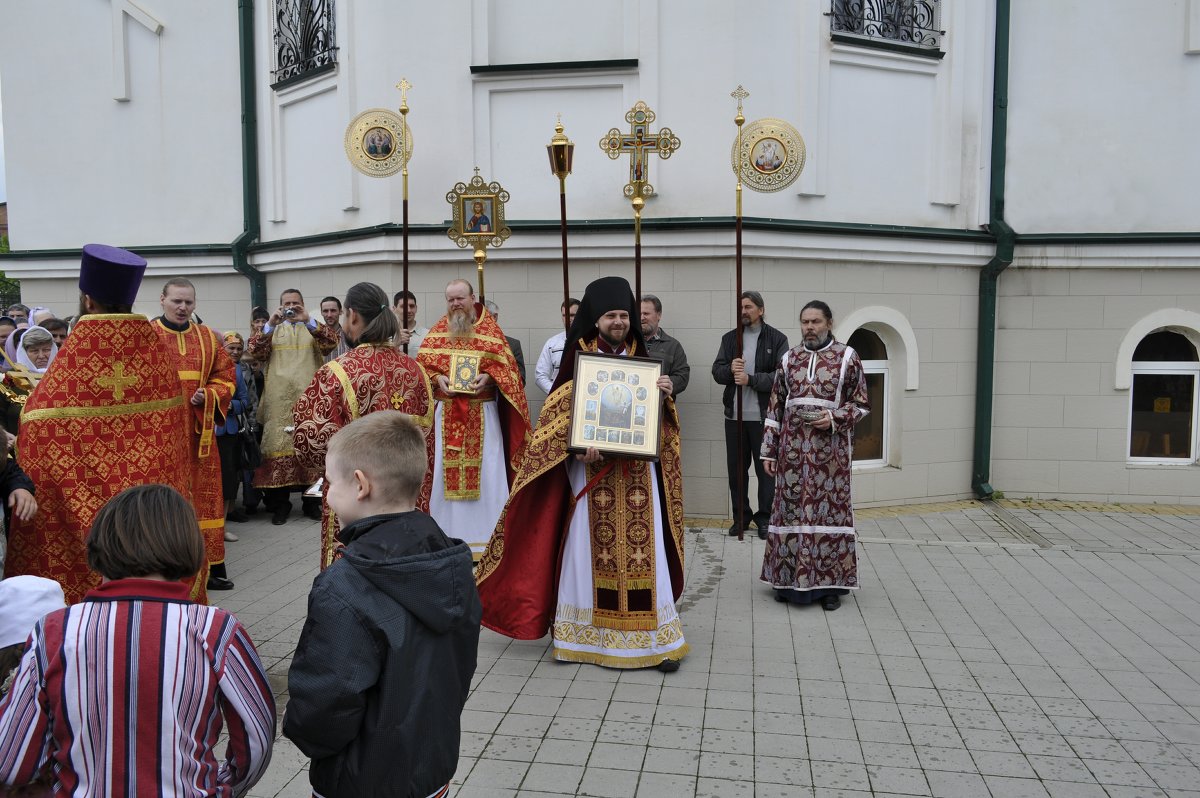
(993, 651)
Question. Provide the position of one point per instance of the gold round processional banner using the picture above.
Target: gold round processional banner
(378, 142)
(769, 154)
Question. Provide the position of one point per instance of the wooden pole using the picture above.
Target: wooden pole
(637, 251)
(562, 209)
(739, 120)
(404, 86)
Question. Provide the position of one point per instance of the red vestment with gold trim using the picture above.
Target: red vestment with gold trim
(368, 378)
(106, 416)
(204, 365)
(518, 575)
(462, 418)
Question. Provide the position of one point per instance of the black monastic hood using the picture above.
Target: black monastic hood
(601, 296)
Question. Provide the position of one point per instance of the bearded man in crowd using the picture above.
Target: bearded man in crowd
(481, 421)
(590, 545)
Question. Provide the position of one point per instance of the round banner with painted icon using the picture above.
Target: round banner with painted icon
(378, 142)
(769, 154)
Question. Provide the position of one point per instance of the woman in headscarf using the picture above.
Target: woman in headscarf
(33, 352)
(37, 349)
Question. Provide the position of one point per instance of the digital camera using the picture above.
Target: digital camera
(290, 313)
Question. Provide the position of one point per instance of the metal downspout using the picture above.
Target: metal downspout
(989, 277)
(250, 217)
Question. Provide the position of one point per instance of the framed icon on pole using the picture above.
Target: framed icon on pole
(616, 405)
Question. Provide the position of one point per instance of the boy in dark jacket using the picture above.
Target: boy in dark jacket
(385, 660)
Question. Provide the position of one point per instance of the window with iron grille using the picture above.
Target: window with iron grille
(304, 40)
(908, 25)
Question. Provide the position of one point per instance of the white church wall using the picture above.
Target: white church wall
(502, 121)
(162, 165)
(1111, 146)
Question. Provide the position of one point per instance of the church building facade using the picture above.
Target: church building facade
(995, 202)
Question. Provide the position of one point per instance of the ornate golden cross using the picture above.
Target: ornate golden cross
(117, 382)
(403, 86)
(639, 143)
(739, 94)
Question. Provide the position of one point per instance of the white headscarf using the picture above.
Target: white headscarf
(23, 356)
(24, 600)
(39, 310)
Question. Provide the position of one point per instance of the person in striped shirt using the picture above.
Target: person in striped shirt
(126, 693)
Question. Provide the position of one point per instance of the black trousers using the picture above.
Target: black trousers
(229, 447)
(752, 434)
(275, 497)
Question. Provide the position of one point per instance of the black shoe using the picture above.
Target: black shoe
(669, 665)
(250, 509)
(734, 529)
(237, 516)
(781, 596)
(219, 583)
(762, 531)
(831, 603)
(279, 515)
(312, 511)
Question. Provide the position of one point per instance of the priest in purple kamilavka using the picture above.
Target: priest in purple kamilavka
(820, 393)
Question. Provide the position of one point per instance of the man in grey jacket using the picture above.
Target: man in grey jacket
(661, 346)
(753, 374)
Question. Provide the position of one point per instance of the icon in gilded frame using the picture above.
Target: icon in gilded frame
(612, 410)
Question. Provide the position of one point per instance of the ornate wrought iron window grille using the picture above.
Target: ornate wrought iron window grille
(906, 25)
(304, 40)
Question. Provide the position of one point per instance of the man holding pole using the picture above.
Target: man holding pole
(747, 384)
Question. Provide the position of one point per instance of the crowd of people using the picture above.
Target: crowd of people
(443, 506)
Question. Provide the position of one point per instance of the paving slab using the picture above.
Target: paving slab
(1030, 648)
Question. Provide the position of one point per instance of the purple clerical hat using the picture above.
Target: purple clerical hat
(111, 275)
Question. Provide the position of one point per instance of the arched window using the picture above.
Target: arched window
(1162, 402)
(871, 433)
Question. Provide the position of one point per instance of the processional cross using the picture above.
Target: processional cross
(639, 144)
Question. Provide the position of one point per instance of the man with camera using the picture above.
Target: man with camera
(293, 346)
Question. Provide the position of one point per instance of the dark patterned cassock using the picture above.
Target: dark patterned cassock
(810, 541)
(369, 377)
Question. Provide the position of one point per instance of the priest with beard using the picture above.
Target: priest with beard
(590, 545)
(481, 429)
